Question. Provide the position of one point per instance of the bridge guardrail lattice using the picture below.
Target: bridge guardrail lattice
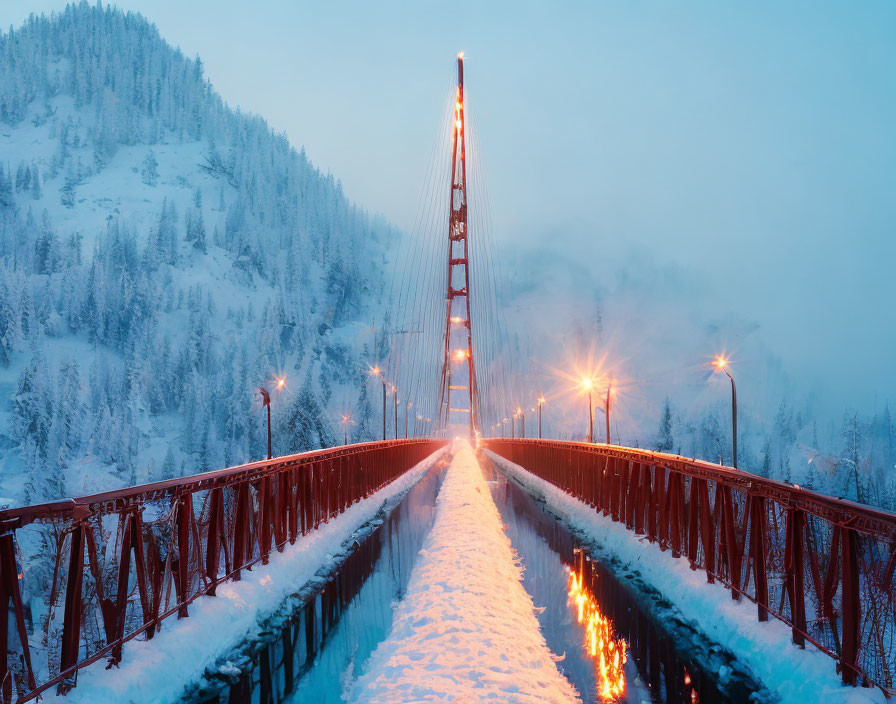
(822, 565)
(125, 560)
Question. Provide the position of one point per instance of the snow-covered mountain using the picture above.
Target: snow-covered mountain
(161, 256)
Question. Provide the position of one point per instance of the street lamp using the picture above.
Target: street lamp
(540, 405)
(395, 397)
(266, 402)
(407, 409)
(721, 364)
(587, 384)
(346, 420)
(376, 371)
(503, 428)
(522, 415)
(609, 390)
(279, 384)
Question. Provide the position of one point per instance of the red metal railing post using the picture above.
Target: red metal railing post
(793, 568)
(731, 543)
(673, 495)
(758, 524)
(693, 524)
(650, 482)
(212, 551)
(9, 592)
(707, 531)
(240, 529)
(292, 504)
(630, 489)
(184, 517)
(71, 622)
(642, 498)
(852, 610)
(121, 594)
(661, 490)
(280, 508)
(265, 517)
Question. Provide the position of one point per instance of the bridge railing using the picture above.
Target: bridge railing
(824, 566)
(123, 561)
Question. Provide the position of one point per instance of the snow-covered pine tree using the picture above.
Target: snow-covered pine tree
(664, 439)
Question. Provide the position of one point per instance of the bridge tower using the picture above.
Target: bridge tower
(459, 395)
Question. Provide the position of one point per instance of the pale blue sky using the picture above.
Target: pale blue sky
(752, 143)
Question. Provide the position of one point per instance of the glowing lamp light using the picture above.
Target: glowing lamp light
(456, 319)
(460, 55)
(375, 371)
(461, 355)
(541, 400)
(281, 382)
(587, 383)
(720, 362)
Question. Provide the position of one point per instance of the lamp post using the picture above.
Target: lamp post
(540, 406)
(407, 409)
(266, 402)
(376, 371)
(346, 420)
(587, 384)
(513, 426)
(395, 397)
(280, 383)
(721, 364)
(609, 389)
(522, 414)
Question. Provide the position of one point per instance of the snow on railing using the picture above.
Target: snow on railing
(125, 560)
(822, 565)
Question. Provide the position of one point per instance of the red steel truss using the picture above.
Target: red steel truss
(822, 565)
(458, 368)
(149, 551)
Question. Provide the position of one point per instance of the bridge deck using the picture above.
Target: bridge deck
(466, 628)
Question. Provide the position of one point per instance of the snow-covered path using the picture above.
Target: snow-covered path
(466, 630)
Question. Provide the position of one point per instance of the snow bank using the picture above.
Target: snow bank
(158, 670)
(797, 676)
(466, 629)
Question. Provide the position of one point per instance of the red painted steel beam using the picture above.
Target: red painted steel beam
(835, 536)
(208, 514)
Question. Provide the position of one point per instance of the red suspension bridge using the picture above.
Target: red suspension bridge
(128, 560)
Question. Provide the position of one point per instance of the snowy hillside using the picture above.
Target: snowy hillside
(161, 256)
